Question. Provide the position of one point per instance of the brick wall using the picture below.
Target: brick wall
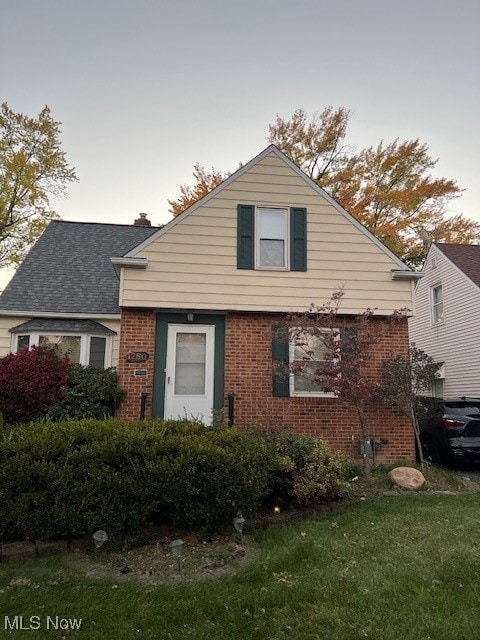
(248, 375)
(137, 334)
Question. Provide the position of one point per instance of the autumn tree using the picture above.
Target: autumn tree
(389, 190)
(389, 187)
(316, 146)
(33, 168)
(205, 181)
(337, 355)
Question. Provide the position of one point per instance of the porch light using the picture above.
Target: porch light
(99, 538)
(176, 547)
(190, 316)
(238, 523)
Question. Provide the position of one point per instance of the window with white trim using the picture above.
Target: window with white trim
(436, 301)
(83, 349)
(308, 355)
(271, 251)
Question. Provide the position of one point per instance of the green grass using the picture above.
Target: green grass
(392, 569)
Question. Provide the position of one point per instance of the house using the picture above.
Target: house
(447, 302)
(65, 292)
(203, 297)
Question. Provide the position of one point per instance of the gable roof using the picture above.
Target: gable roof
(68, 270)
(465, 257)
(270, 149)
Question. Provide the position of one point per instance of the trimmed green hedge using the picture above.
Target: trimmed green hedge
(69, 479)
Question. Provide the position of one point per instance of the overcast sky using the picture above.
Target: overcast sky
(146, 88)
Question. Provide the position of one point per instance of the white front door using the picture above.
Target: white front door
(189, 371)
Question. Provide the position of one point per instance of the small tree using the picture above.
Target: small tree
(404, 378)
(346, 367)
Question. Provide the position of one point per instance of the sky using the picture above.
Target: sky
(146, 88)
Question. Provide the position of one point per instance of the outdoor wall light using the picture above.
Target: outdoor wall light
(99, 538)
(176, 547)
(190, 317)
(238, 523)
(276, 509)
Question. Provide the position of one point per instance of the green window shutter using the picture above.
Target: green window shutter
(298, 239)
(280, 361)
(245, 236)
(347, 335)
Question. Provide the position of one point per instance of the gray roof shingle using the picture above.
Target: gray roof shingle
(465, 256)
(68, 270)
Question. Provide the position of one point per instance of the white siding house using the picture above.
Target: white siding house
(447, 320)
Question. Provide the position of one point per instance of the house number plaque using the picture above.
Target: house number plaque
(136, 357)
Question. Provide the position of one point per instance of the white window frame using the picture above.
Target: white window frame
(286, 237)
(85, 339)
(307, 394)
(435, 306)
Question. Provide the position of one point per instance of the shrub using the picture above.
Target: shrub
(322, 477)
(91, 393)
(30, 382)
(214, 476)
(307, 472)
(68, 479)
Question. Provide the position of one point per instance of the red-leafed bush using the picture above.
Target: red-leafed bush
(30, 382)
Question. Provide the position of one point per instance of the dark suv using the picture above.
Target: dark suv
(449, 429)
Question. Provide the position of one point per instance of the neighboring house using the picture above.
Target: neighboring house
(204, 299)
(65, 293)
(447, 316)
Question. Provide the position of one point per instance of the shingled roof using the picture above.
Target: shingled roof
(68, 270)
(465, 256)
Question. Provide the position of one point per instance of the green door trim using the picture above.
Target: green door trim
(160, 358)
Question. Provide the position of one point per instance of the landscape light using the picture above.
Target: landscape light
(99, 538)
(176, 546)
(238, 523)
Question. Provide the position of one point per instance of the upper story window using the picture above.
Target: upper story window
(436, 298)
(271, 238)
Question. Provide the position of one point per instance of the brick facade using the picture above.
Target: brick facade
(137, 333)
(248, 376)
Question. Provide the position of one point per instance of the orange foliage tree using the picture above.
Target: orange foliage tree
(388, 187)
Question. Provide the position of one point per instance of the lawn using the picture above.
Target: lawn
(391, 569)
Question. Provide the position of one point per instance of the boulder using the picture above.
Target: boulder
(407, 478)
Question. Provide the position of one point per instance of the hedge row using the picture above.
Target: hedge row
(69, 479)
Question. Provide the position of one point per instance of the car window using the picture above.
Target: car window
(466, 410)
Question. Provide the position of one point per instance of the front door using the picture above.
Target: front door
(189, 371)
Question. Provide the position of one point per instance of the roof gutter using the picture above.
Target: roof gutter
(131, 263)
(397, 274)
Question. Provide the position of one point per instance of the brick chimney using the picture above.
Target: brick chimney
(142, 221)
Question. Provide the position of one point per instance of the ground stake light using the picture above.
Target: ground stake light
(99, 538)
(176, 546)
(238, 523)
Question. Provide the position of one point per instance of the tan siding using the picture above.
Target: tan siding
(114, 325)
(193, 265)
(456, 341)
(6, 323)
